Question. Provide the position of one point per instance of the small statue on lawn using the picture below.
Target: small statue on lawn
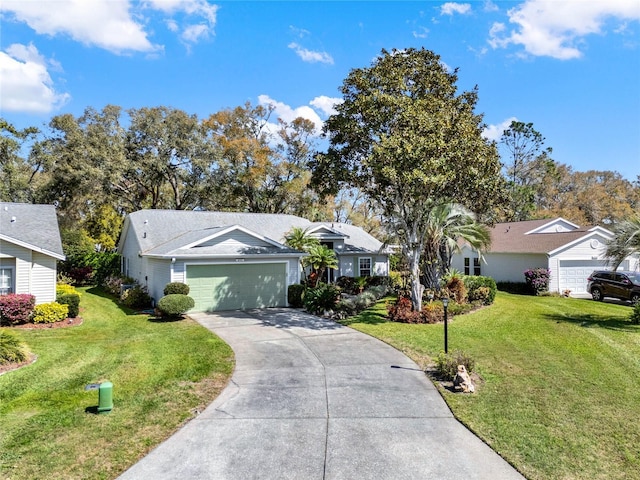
(463, 380)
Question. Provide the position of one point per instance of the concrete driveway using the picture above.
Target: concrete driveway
(311, 399)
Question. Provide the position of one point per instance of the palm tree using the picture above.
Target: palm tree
(446, 224)
(320, 258)
(626, 241)
(299, 239)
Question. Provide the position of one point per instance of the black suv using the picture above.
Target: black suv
(622, 285)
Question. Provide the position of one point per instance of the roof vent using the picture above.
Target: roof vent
(13, 219)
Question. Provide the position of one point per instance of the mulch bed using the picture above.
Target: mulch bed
(68, 322)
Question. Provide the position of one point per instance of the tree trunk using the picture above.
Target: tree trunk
(416, 287)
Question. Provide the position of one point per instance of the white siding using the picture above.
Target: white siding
(502, 267)
(43, 278)
(159, 274)
(234, 238)
(35, 273)
(380, 266)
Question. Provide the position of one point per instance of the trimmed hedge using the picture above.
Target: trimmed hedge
(295, 294)
(72, 300)
(480, 289)
(176, 288)
(175, 304)
(16, 308)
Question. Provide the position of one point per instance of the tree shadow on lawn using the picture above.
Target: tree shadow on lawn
(100, 292)
(590, 320)
(367, 317)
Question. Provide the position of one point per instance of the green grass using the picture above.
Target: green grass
(560, 397)
(161, 373)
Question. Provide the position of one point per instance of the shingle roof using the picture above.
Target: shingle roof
(31, 226)
(169, 230)
(511, 238)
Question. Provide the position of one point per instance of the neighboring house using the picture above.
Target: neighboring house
(234, 260)
(571, 253)
(30, 248)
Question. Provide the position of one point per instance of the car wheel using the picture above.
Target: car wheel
(596, 294)
(635, 298)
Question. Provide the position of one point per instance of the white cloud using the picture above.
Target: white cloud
(114, 25)
(190, 31)
(421, 32)
(311, 56)
(450, 8)
(288, 114)
(494, 132)
(555, 29)
(327, 105)
(25, 83)
(489, 6)
(106, 24)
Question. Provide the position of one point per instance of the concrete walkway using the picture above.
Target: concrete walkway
(311, 399)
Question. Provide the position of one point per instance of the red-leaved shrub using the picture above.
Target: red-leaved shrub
(16, 308)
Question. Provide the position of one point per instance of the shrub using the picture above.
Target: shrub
(81, 275)
(365, 300)
(113, 283)
(12, 350)
(323, 297)
(72, 301)
(295, 294)
(457, 290)
(473, 283)
(103, 265)
(50, 312)
(518, 288)
(635, 314)
(16, 308)
(175, 304)
(433, 312)
(63, 289)
(348, 306)
(176, 288)
(402, 311)
(348, 285)
(447, 364)
(537, 279)
(136, 297)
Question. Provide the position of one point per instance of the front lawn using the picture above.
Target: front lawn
(162, 372)
(561, 391)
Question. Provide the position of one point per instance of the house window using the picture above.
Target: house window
(466, 265)
(364, 265)
(476, 266)
(6, 281)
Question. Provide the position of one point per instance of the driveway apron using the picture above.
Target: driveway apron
(312, 399)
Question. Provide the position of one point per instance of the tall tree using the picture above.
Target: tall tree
(19, 175)
(261, 169)
(164, 151)
(408, 141)
(524, 145)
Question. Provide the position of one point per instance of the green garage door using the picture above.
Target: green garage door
(237, 286)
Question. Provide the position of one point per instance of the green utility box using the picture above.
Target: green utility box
(105, 397)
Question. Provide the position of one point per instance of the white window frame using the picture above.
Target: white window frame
(360, 269)
(12, 278)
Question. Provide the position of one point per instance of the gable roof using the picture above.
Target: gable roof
(31, 226)
(523, 237)
(176, 232)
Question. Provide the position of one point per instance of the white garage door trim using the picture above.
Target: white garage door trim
(241, 292)
(573, 274)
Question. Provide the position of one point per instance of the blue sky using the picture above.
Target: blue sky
(571, 67)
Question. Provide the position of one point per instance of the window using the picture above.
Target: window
(364, 265)
(6, 281)
(476, 266)
(467, 266)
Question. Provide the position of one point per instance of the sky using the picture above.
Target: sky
(570, 67)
